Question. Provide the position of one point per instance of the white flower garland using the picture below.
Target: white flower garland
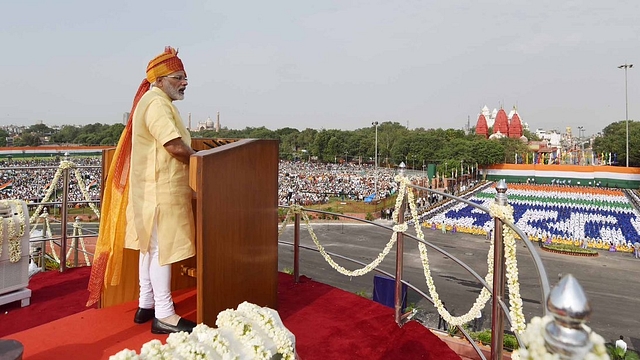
(64, 164)
(46, 232)
(505, 213)
(85, 193)
(484, 295)
(14, 237)
(264, 318)
(533, 338)
(250, 324)
(336, 266)
(77, 236)
(515, 300)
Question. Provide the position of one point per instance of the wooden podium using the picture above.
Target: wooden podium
(235, 210)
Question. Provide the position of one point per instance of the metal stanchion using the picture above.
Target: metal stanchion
(400, 258)
(497, 316)
(296, 248)
(64, 213)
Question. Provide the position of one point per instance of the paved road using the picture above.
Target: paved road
(611, 280)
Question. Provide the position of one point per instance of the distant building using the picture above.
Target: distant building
(553, 137)
(503, 125)
(125, 117)
(209, 124)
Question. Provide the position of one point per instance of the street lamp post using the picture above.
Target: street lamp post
(375, 162)
(580, 132)
(626, 66)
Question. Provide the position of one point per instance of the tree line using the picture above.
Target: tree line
(447, 148)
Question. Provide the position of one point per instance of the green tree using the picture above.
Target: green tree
(27, 139)
(614, 140)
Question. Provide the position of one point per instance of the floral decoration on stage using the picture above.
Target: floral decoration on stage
(249, 332)
(41, 212)
(65, 165)
(15, 231)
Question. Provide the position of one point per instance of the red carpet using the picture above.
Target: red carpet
(54, 295)
(328, 323)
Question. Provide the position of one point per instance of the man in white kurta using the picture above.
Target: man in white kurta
(159, 216)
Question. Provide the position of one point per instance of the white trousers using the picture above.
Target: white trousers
(155, 281)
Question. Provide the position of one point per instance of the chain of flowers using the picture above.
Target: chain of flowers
(47, 232)
(505, 213)
(14, 237)
(293, 209)
(85, 193)
(265, 320)
(484, 295)
(336, 266)
(230, 319)
(533, 338)
(77, 235)
(64, 164)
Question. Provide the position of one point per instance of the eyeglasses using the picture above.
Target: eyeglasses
(178, 77)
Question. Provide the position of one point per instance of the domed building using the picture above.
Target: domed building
(506, 125)
(209, 124)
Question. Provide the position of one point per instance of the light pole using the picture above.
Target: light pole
(375, 162)
(626, 66)
(580, 132)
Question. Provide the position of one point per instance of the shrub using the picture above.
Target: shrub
(509, 341)
(369, 216)
(570, 249)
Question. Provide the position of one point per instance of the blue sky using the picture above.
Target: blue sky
(326, 64)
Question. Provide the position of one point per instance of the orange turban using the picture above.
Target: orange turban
(164, 64)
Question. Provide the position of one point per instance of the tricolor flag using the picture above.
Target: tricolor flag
(6, 186)
(92, 185)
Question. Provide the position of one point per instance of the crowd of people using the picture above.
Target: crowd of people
(31, 178)
(308, 183)
(603, 217)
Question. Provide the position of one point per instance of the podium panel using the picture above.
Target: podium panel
(236, 188)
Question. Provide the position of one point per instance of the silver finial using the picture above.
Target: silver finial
(501, 192)
(570, 308)
(401, 168)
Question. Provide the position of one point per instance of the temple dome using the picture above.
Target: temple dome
(481, 126)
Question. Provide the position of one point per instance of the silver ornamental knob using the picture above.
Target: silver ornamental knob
(570, 308)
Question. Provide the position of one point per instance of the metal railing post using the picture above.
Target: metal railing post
(570, 308)
(497, 316)
(400, 258)
(296, 248)
(76, 226)
(64, 213)
(63, 224)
